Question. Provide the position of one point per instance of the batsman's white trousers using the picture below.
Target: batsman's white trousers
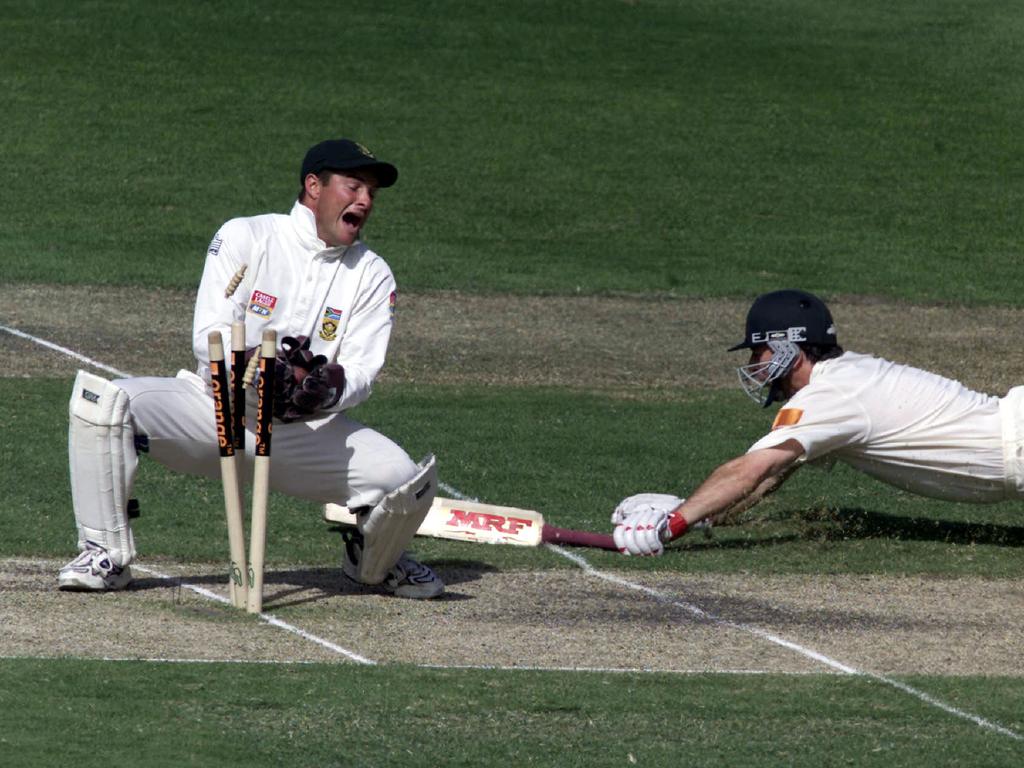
(1011, 410)
(330, 459)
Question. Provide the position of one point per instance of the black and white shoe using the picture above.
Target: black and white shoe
(93, 571)
(407, 578)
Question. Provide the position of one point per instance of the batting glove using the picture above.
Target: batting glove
(644, 502)
(646, 532)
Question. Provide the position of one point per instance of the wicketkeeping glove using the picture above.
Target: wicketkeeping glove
(305, 383)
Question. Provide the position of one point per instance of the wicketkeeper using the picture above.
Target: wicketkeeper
(912, 429)
(309, 277)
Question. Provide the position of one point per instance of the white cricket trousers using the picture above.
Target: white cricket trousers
(330, 459)
(1011, 411)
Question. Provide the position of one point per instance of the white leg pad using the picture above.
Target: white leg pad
(389, 527)
(102, 459)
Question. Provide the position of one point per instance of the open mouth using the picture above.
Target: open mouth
(353, 219)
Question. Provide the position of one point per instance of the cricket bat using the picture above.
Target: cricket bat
(488, 524)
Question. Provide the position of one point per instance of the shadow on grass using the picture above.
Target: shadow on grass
(746, 541)
(310, 585)
(855, 523)
(851, 523)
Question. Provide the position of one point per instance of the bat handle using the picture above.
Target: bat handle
(552, 534)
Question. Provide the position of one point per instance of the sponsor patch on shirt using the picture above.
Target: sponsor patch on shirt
(329, 324)
(262, 304)
(787, 417)
(215, 244)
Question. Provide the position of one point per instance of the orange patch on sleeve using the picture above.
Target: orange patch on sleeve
(787, 417)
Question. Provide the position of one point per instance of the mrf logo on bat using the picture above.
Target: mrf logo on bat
(484, 521)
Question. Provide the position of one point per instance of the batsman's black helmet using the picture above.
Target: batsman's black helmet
(346, 155)
(788, 315)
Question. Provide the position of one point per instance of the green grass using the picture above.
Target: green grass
(317, 715)
(580, 146)
(576, 146)
(522, 448)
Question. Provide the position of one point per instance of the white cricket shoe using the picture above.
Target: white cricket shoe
(94, 571)
(407, 578)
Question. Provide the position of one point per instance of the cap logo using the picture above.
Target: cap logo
(798, 333)
(364, 150)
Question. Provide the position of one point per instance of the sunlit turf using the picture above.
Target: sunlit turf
(306, 715)
(535, 449)
(580, 146)
(699, 148)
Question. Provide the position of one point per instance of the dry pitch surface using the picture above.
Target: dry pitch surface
(629, 347)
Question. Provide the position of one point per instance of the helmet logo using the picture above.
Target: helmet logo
(797, 333)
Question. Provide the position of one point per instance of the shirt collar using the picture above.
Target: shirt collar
(305, 224)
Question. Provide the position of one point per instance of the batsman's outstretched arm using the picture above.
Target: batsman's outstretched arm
(741, 483)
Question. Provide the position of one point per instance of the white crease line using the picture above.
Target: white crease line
(467, 667)
(616, 670)
(64, 350)
(588, 568)
(166, 660)
(455, 493)
(809, 653)
(272, 620)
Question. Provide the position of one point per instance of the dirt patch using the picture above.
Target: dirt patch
(633, 346)
(550, 619)
(628, 346)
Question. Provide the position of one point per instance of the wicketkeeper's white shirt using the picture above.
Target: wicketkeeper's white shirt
(907, 427)
(342, 298)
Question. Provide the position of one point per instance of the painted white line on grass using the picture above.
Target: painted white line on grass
(167, 660)
(64, 350)
(617, 670)
(272, 620)
(467, 667)
(455, 493)
(589, 569)
(772, 638)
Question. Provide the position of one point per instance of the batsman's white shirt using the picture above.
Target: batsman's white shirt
(910, 428)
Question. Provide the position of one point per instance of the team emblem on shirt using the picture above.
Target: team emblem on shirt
(262, 304)
(329, 324)
(787, 417)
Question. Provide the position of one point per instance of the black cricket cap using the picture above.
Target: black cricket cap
(346, 155)
(788, 315)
